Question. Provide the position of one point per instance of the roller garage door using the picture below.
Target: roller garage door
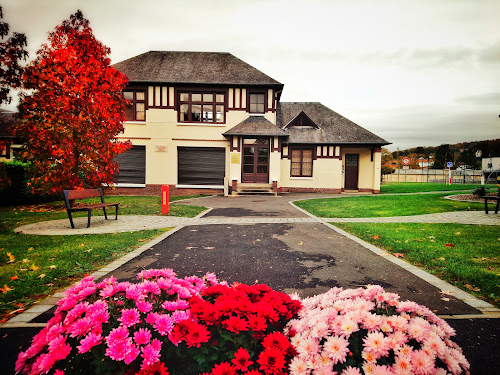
(201, 165)
(132, 166)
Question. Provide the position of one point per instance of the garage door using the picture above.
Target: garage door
(201, 165)
(132, 166)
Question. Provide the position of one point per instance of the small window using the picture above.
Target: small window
(302, 162)
(257, 103)
(136, 110)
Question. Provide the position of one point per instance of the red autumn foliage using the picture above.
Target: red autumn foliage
(72, 112)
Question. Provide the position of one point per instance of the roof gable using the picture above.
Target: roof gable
(301, 120)
(192, 67)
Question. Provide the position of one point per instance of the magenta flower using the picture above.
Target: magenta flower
(164, 324)
(89, 342)
(142, 336)
(151, 354)
(129, 317)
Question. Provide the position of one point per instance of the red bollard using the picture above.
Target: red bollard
(164, 199)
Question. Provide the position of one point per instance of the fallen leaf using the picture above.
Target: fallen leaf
(81, 245)
(457, 234)
(399, 255)
(442, 258)
(31, 248)
(449, 244)
(468, 286)
(5, 289)
(52, 267)
(445, 299)
(26, 260)
(406, 241)
(301, 242)
(376, 237)
(15, 277)
(12, 258)
(418, 240)
(141, 240)
(50, 284)
(34, 268)
(41, 276)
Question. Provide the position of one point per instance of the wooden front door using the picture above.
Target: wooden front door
(255, 167)
(351, 171)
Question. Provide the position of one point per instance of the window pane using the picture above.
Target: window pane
(184, 97)
(140, 116)
(219, 98)
(248, 169)
(139, 95)
(208, 114)
(208, 97)
(248, 159)
(307, 156)
(253, 108)
(307, 169)
(196, 113)
(262, 169)
(129, 95)
(196, 97)
(184, 112)
(220, 113)
(129, 113)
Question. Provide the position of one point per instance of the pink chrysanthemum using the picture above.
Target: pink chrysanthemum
(336, 348)
(89, 342)
(151, 353)
(376, 343)
(129, 317)
(142, 336)
(422, 364)
(164, 324)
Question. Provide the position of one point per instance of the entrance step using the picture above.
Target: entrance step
(254, 189)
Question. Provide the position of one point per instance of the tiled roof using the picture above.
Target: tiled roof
(256, 126)
(7, 122)
(333, 128)
(192, 67)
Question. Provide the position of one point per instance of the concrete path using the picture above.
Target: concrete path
(269, 240)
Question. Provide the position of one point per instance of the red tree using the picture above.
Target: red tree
(73, 112)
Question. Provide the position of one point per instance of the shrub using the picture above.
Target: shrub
(369, 331)
(480, 191)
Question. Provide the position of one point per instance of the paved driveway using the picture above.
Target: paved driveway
(267, 240)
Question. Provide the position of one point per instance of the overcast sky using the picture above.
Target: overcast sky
(415, 72)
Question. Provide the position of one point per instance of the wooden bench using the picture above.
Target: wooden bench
(491, 198)
(70, 196)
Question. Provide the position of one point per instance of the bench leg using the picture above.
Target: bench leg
(486, 206)
(105, 215)
(496, 208)
(89, 215)
(116, 212)
(71, 220)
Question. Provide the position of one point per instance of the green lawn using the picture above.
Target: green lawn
(384, 206)
(469, 261)
(417, 187)
(33, 267)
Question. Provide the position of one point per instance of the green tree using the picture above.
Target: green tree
(442, 155)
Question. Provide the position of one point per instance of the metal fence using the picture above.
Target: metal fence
(468, 176)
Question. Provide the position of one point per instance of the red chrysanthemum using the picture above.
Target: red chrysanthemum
(257, 322)
(241, 360)
(276, 340)
(235, 324)
(224, 368)
(156, 369)
(197, 334)
(271, 361)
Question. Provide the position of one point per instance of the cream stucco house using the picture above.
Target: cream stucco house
(204, 121)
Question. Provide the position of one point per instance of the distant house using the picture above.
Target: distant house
(202, 121)
(7, 123)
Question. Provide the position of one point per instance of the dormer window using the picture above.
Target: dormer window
(204, 107)
(257, 103)
(302, 120)
(136, 110)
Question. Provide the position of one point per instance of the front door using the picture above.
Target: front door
(351, 171)
(255, 166)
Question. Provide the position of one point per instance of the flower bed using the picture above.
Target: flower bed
(164, 324)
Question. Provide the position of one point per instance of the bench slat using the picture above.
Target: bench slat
(82, 194)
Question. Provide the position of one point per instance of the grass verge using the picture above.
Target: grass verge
(417, 187)
(34, 267)
(464, 255)
(385, 206)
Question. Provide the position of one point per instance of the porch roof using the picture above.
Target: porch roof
(256, 126)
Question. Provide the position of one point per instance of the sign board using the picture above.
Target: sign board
(449, 164)
(235, 158)
(406, 161)
(406, 167)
